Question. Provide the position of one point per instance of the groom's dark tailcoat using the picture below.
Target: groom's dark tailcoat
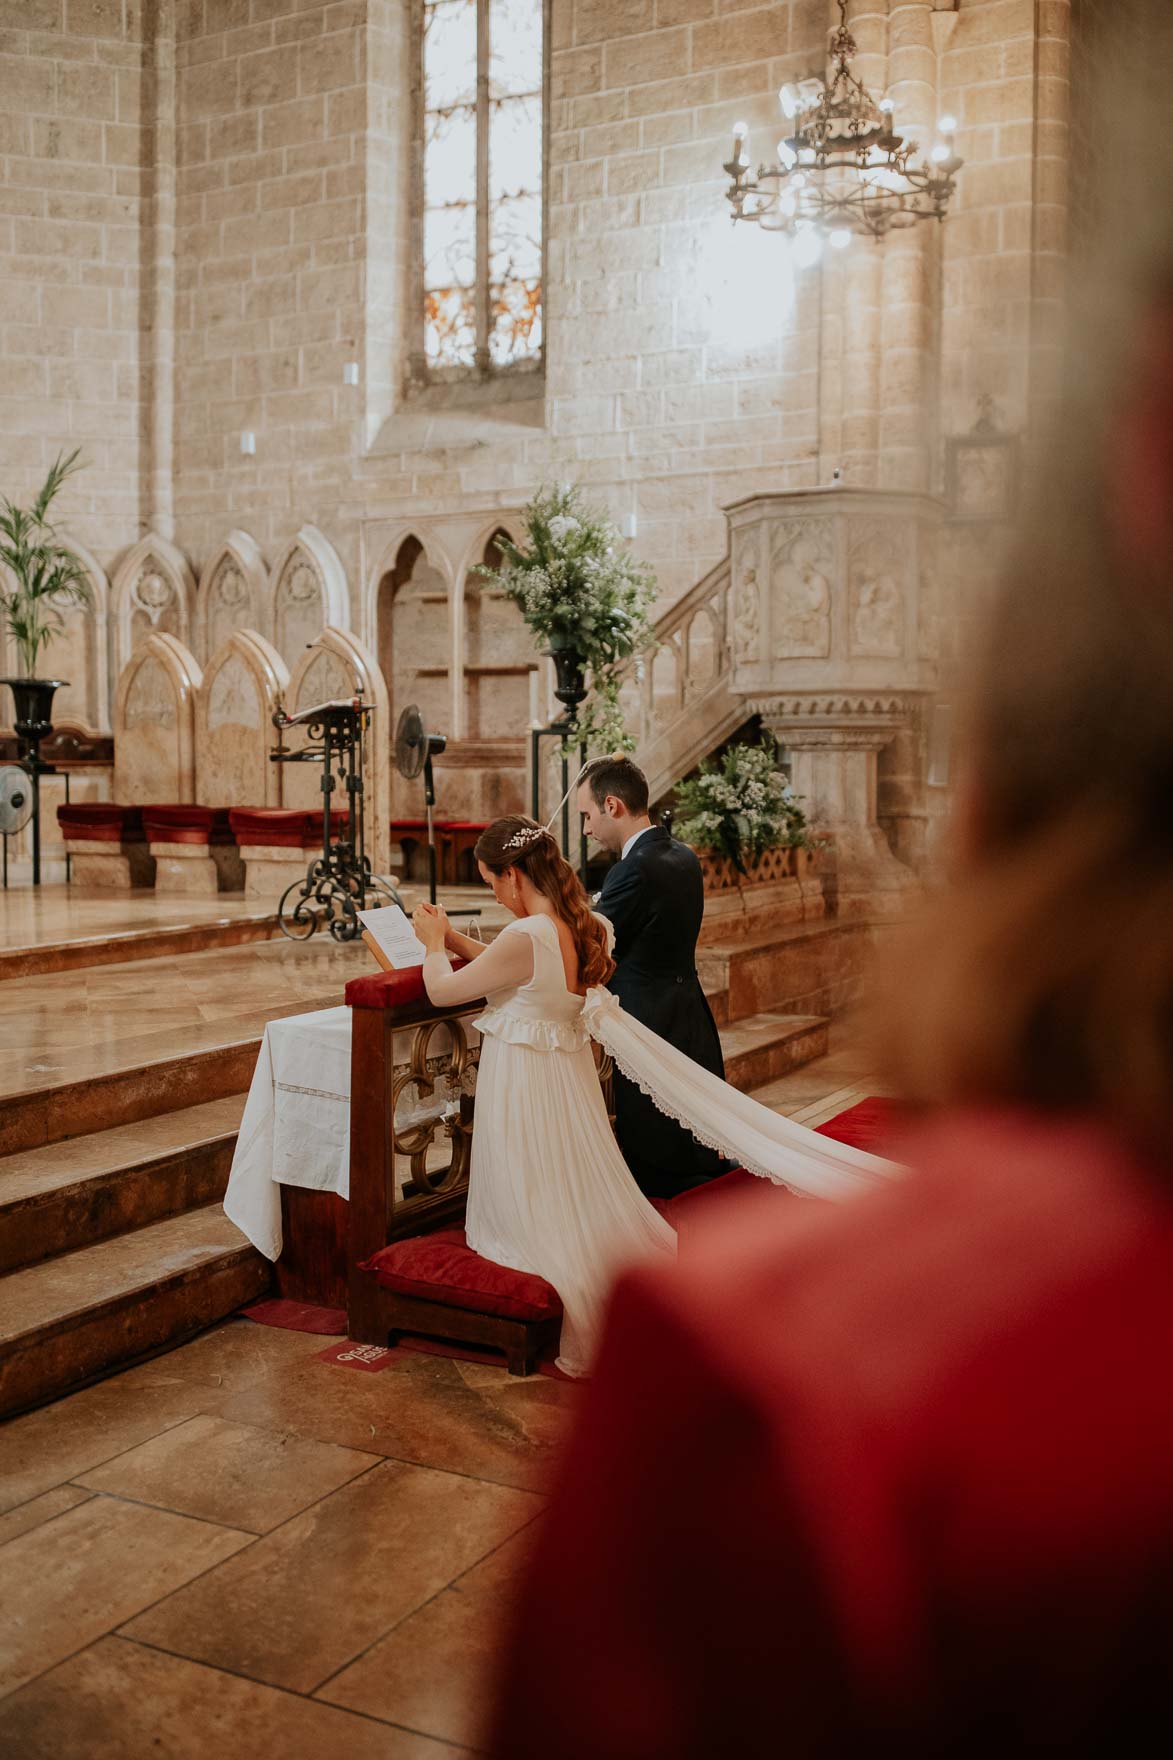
(655, 899)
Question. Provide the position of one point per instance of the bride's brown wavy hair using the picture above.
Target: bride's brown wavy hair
(548, 871)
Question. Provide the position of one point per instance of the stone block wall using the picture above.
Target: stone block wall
(71, 196)
(687, 364)
(270, 227)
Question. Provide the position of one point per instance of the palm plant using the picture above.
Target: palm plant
(48, 575)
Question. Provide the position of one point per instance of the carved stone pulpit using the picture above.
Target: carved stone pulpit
(835, 644)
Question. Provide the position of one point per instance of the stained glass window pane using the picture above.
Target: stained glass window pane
(512, 223)
(450, 216)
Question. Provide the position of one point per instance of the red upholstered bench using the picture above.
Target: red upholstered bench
(455, 839)
(283, 827)
(100, 822)
(185, 822)
(106, 843)
(277, 845)
(460, 838)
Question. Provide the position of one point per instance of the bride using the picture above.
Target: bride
(549, 1191)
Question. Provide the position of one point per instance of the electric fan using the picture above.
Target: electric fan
(415, 748)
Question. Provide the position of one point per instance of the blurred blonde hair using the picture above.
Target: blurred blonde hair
(1046, 976)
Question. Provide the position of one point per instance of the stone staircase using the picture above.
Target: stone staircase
(113, 1244)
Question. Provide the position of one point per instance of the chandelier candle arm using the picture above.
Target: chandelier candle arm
(843, 170)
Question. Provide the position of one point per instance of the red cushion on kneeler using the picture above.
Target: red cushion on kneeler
(184, 822)
(442, 1267)
(391, 989)
(283, 827)
(101, 821)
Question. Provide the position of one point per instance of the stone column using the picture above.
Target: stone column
(160, 111)
(850, 292)
(834, 742)
(911, 271)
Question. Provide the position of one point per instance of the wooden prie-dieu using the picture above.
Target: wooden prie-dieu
(413, 1083)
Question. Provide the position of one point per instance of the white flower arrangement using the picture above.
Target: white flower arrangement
(741, 806)
(578, 588)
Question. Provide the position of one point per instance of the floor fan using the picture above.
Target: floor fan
(16, 804)
(415, 748)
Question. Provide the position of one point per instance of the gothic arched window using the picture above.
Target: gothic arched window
(480, 246)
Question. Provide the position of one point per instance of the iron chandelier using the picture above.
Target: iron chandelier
(842, 171)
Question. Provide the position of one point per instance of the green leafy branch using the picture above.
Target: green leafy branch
(47, 573)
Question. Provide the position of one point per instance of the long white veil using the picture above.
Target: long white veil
(719, 1116)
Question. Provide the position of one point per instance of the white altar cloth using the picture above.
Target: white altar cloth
(296, 1125)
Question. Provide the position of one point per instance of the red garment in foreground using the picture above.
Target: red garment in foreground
(897, 1473)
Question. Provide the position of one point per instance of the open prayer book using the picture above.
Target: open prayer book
(389, 935)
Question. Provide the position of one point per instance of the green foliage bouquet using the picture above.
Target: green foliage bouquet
(578, 588)
(48, 575)
(741, 805)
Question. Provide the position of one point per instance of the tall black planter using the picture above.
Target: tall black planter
(33, 698)
(569, 677)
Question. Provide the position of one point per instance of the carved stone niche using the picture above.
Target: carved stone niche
(307, 590)
(233, 594)
(835, 642)
(338, 665)
(154, 724)
(152, 592)
(242, 685)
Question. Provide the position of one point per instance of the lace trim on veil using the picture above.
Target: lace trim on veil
(733, 1124)
(702, 1136)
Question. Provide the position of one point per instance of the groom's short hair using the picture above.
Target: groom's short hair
(620, 778)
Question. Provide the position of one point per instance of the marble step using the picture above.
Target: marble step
(761, 1047)
(142, 1090)
(85, 1313)
(86, 1051)
(71, 1194)
(804, 968)
(123, 942)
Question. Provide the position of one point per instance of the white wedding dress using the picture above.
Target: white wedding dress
(549, 1191)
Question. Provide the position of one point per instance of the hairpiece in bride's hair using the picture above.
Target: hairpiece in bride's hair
(523, 838)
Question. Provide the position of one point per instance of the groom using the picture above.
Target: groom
(654, 897)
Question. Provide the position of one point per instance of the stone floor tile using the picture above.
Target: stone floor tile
(52, 1445)
(40, 1509)
(233, 1474)
(121, 1701)
(311, 1596)
(419, 1410)
(90, 1570)
(225, 1360)
(460, 1633)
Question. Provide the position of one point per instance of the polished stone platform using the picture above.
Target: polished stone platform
(66, 928)
(62, 928)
